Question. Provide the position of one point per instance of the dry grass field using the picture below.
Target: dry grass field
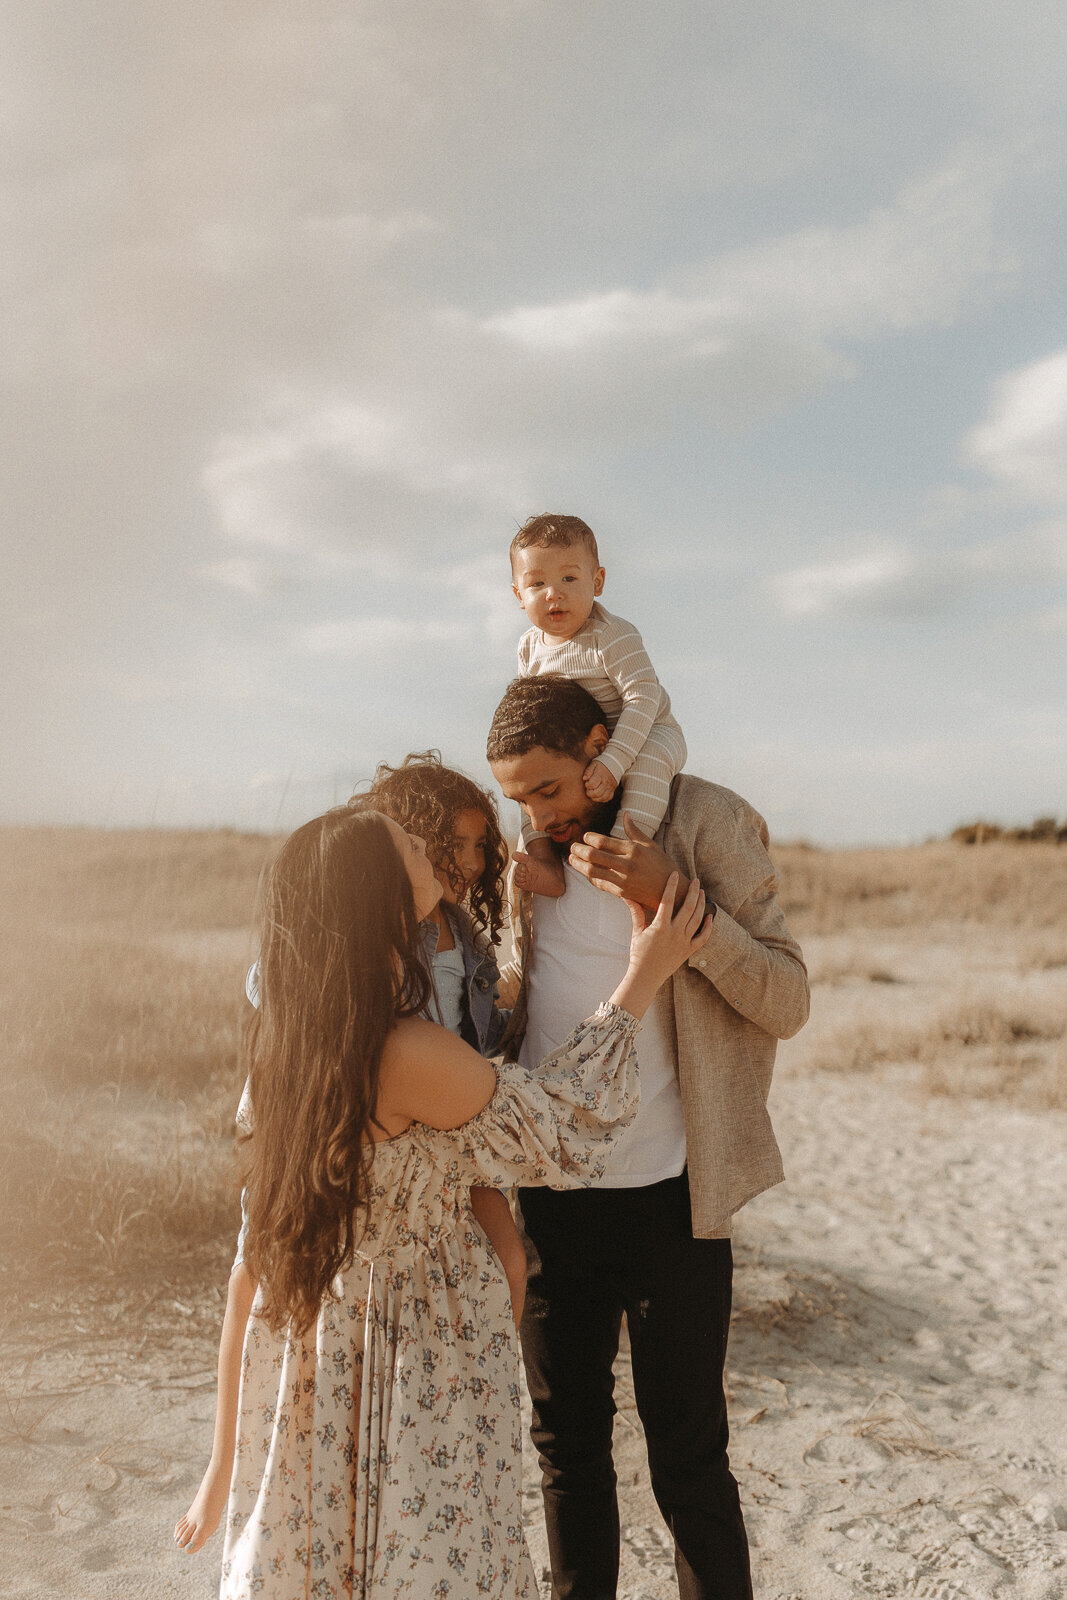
(946, 958)
(121, 990)
(121, 994)
(899, 1357)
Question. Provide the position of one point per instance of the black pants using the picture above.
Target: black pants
(600, 1252)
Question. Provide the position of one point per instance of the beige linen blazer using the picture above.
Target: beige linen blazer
(726, 1009)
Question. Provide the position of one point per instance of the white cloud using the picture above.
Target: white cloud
(922, 260)
(1023, 440)
(329, 477)
(1053, 620)
(264, 481)
(348, 638)
(618, 314)
(734, 338)
(1021, 445)
(842, 585)
(892, 579)
(358, 230)
(246, 577)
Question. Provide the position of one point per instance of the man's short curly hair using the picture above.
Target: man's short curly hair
(425, 797)
(553, 528)
(548, 712)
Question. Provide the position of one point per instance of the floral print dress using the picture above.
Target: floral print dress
(380, 1453)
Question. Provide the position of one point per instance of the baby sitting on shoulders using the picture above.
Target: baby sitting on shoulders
(556, 577)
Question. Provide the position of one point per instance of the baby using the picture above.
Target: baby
(556, 577)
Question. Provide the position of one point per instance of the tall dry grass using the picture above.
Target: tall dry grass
(1004, 885)
(1001, 1033)
(122, 960)
(122, 957)
(997, 1048)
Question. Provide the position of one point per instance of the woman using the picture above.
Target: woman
(378, 1446)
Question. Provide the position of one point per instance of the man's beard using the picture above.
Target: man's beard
(601, 820)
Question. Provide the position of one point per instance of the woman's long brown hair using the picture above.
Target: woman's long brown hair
(426, 797)
(340, 962)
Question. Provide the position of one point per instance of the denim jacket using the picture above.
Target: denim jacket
(483, 1022)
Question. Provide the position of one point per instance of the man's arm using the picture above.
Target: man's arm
(750, 957)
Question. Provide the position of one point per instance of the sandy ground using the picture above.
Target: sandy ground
(897, 1366)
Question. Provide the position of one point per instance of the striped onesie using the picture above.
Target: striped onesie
(647, 747)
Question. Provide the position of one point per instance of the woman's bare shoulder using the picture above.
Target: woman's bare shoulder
(409, 1040)
(429, 1074)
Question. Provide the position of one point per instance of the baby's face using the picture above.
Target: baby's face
(556, 585)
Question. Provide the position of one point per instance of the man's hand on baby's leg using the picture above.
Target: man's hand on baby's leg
(599, 783)
(540, 871)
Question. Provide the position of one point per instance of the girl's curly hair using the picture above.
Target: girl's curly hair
(426, 797)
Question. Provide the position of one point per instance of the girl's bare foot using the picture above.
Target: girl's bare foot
(193, 1530)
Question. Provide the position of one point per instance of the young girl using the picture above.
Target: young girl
(556, 577)
(376, 1414)
(457, 821)
(458, 824)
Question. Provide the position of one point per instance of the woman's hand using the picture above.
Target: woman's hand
(661, 947)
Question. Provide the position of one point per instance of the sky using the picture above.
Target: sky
(307, 308)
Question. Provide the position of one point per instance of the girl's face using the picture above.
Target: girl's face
(412, 851)
(468, 852)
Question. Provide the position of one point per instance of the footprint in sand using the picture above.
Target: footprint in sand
(101, 1559)
(847, 1455)
(652, 1549)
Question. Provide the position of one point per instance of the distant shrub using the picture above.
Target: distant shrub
(976, 833)
(1045, 830)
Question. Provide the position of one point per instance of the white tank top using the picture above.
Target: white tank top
(581, 948)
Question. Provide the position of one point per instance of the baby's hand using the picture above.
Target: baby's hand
(599, 783)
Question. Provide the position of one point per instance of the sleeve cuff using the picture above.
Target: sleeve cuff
(726, 945)
(614, 765)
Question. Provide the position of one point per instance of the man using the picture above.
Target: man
(653, 1240)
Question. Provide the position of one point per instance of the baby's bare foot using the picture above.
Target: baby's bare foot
(539, 877)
